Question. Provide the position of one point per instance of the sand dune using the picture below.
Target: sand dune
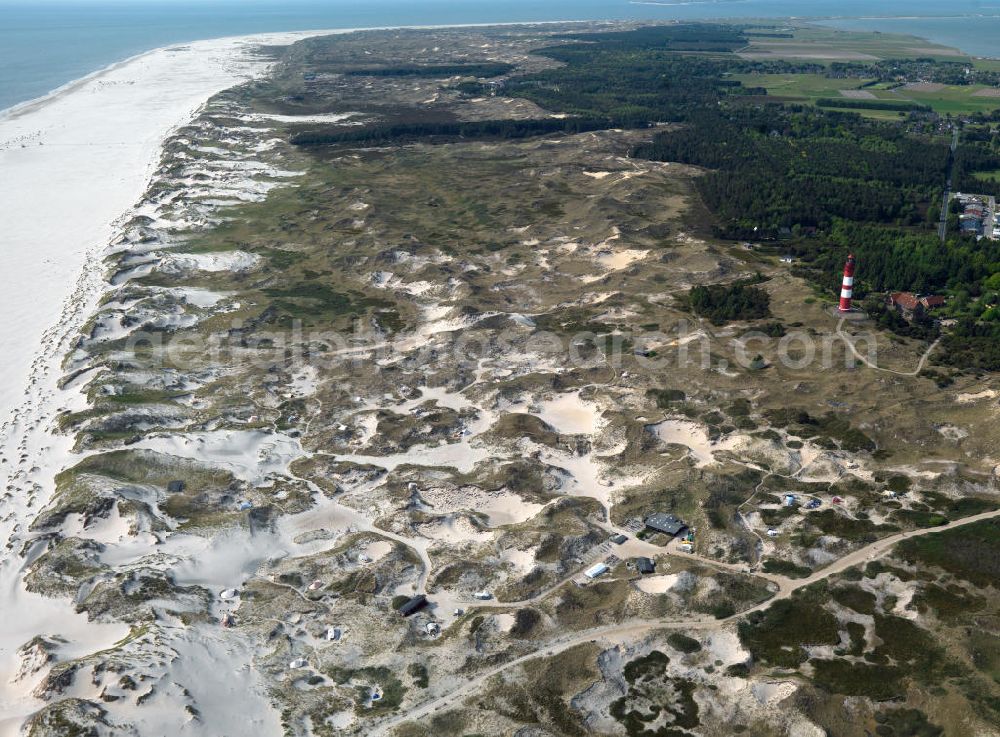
(58, 223)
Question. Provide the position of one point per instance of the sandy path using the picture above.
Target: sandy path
(850, 344)
(611, 634)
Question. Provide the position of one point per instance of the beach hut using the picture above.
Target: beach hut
(413, 605)
(596, 570)
(665, 523)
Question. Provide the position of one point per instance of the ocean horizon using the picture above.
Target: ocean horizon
(46, 44)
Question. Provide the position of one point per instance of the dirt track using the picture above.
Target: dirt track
(629, 630)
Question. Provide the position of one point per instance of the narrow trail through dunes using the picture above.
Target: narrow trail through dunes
(872, 365)
(637, 628)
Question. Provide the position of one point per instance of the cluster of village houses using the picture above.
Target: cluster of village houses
(910, 304)
(977, 216)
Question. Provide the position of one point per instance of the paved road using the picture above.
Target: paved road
(636, 628)
(943, 223)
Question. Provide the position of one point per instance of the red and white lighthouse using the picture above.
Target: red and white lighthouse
(847, 288)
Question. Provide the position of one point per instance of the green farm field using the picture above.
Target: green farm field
(827, 44)
(819, 45)
(954, 99)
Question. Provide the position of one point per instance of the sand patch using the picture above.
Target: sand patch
(858, 95)
(569, 414)
(924, 86)
(657, 584)
(770, 692)
(522, 560)
(377, 550)
(503, 622)
(452, 529)
(500, 507)
(987, 92)
(618, 260)
(251, 455)
(695, 438)
(201, 298)
(984, 394)
(320, 118)
(236, 261)
(725, 645)
(952, 432)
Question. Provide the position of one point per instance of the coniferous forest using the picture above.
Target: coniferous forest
(820, 182)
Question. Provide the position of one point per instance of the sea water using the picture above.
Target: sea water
(47, 43)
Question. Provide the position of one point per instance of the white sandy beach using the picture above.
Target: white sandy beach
(73, 164)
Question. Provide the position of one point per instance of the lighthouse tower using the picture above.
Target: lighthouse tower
(847, 289)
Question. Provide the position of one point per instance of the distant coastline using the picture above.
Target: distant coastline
(46, 46)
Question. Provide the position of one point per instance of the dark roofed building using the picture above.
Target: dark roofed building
(666, 523)
(175, 487)
(645, 565)
(413, 605)
(932, 300)
(904, 301)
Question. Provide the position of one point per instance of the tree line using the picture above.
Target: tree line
(384, 134)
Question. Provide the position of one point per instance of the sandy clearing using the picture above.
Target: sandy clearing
(924, 86)
(522, 560)
(201, 298)
(321, 118)
(657, 584)
(984, 394)
(858, 95)
(568, 413)
(695, 438)
(250, 455)
(452, 528)
(500, 507)
(771, 692)
(377, 550)
(236, 261)
(616, 260)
